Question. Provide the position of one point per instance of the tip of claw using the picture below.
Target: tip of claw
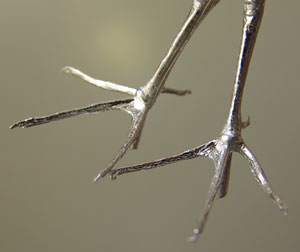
(97, 177)
(15, 125)
(19, 125)
(284, 209)
(194, 237)
(66, 69)
(188, 91)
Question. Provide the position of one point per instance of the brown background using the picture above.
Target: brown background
(48, 200)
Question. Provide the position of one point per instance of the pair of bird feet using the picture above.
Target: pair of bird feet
(219, 150)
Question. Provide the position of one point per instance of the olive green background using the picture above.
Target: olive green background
(48, 199)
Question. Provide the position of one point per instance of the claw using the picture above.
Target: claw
(97, 177)
(194, 237)
(67, 69)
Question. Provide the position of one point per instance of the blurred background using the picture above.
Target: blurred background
(48, 199)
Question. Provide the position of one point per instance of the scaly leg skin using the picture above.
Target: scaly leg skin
(230, 140)
(145, 96)
(220, 150)
(231, 134)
